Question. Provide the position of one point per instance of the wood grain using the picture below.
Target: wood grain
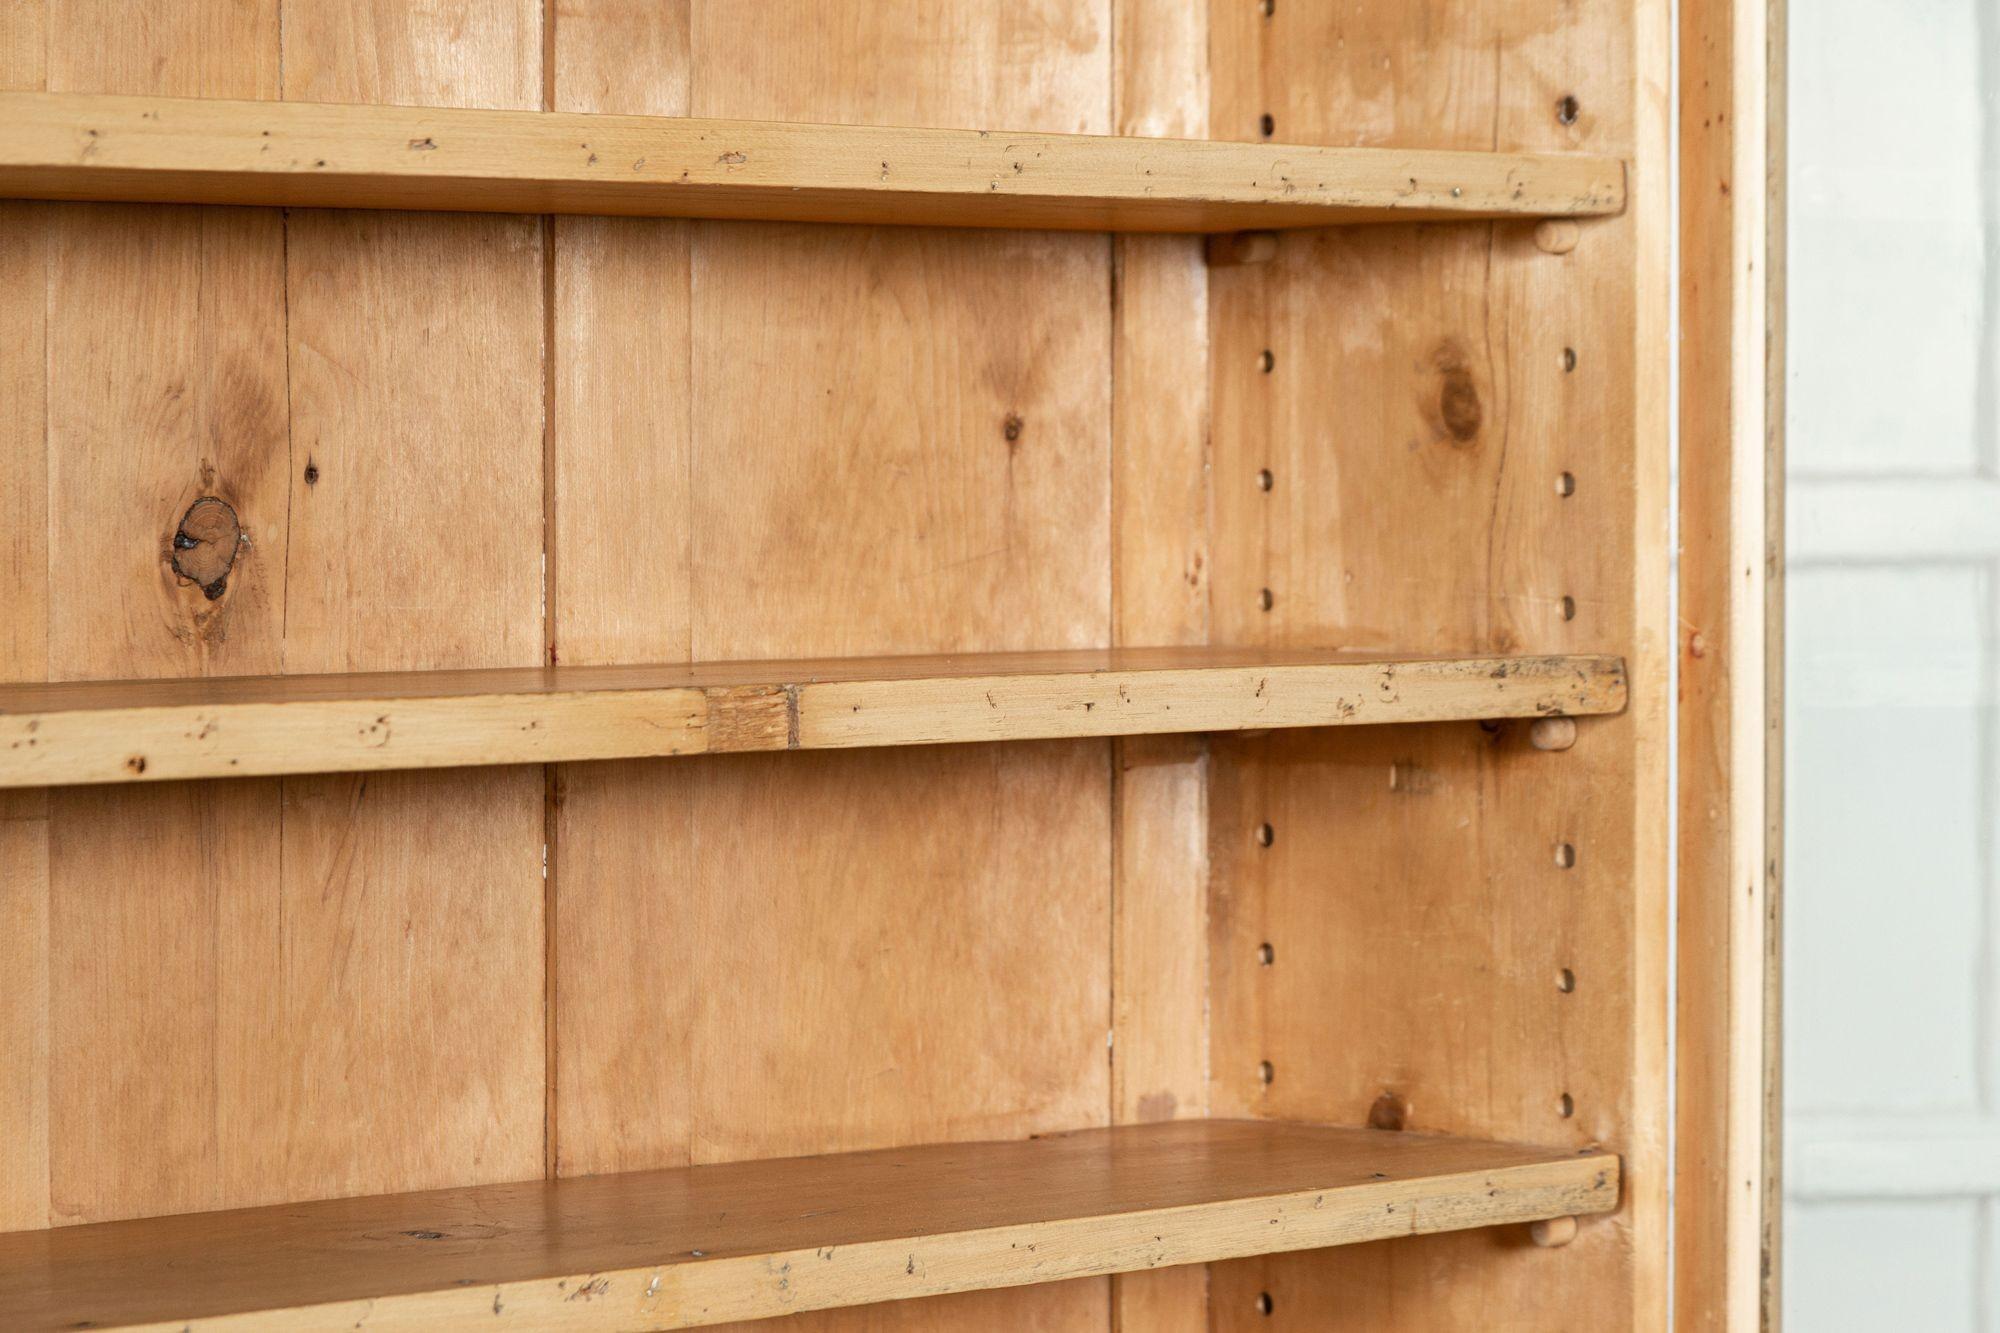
(267, 948)
(695, 1247)
(1731, 659)
(469, 449)
(162, 150)
(1368, 383)
(413, 902)
(164, 365)
(1160, 501)
(151, 731)
(881, 368)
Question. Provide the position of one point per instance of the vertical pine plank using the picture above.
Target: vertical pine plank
(413, 928)
(165, 384)
(1160, 534)
(24, 827)
(619, 552)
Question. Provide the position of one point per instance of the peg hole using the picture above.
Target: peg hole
(1265, 1072)
(1565, 484)
(1269, 7)
(1267, 361)
(1565, 1106)
(1266, 955)
(1264, 599)
(1569, 360)
(1266, 835)
(1267, 125)
(1565, 856)
(1264, 479)
(1264, 1302)
(1566, 981)
(1569, 608)
(1567, 109)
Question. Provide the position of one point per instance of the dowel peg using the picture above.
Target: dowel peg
(1556, 236)
(1230, 249)
(1552, 733)
(1553, 1232)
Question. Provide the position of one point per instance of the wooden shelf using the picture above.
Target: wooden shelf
(177, 150)
(134, 731)
(708, 1244)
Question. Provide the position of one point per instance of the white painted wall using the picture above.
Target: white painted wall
(1892, 949)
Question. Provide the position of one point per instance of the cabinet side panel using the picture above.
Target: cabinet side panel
(1450, 439)
(786, 440)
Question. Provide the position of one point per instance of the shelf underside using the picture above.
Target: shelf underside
(74, 146)
(148, 731)
(704, 1245)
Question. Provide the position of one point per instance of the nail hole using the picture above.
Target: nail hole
(1569, 608)
(1267, 124)
(1265, 1073)
(1264, 599)
(1565, 1106)
(1263, 1302)
(1565, 484)
(1266, 955)
(1266, 835)
(1567, 109)
(1264, 479)
(1565, 856)
(1569, 360)
(1267, 361)
(1566, 981)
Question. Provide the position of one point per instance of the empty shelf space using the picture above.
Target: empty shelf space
(144, 731)
(179, 150)
(708, 1244)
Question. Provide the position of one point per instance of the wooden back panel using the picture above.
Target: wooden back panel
(472, 441)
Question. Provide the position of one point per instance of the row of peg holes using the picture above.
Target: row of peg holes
(1568, 109)
(1267, 954)
(1267, 361)
(1567, 112)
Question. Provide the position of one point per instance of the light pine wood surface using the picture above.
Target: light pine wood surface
(1406, 881)
(365, 399)
(889, 441)
(700, 1246)
(1728, 1201)
(460, 443)
(165, 730)
(165, 150)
